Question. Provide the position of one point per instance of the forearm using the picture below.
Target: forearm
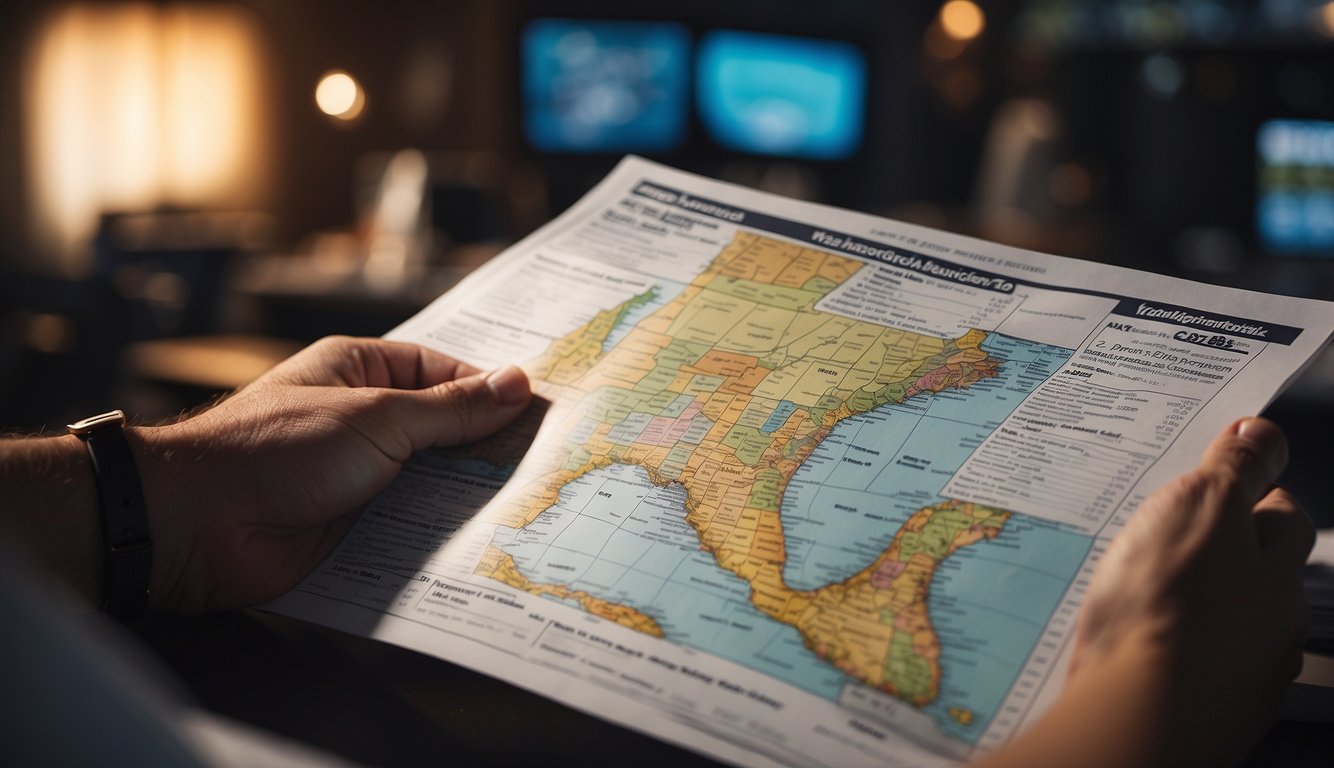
(48, 508)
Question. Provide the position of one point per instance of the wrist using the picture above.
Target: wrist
(48, 503)
(81, 552)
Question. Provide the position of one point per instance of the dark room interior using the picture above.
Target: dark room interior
(190, 192)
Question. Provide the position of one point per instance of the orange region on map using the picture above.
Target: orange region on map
(497, 565)
(726, 390)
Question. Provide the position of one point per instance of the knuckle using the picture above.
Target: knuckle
(463, 404)
(455, 397)
(451, 391)
(1252, 465)
(1244, 454)
(1191, 487)
(331, 342)
(373, 398)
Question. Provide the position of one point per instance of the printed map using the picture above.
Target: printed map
(735, 470)
(800, 486)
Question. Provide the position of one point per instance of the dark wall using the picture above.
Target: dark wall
(17, 21)
(378, 44)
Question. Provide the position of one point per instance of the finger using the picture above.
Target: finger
(462, 410)
(437, 368)
(408, 366)
(1284, 532)
(1248, 457)
(331, 361)
(363, 362)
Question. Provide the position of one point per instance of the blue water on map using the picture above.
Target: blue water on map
(988, 601)
(663, 292)
(874, 470)
(617, 536)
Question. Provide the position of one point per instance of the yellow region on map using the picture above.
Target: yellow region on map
(726, 390)
(500, 566)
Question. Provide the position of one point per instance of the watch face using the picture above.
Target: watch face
(98, 423)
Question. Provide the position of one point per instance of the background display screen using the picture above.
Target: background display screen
(605, 86)
(781, 95)
(1295, 207)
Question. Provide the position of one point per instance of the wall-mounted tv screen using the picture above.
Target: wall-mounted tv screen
(1295, 204)
(781, 95)
(605, 86)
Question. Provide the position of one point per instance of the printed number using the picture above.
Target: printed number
(1221, 342)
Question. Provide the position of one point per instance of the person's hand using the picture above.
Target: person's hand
(247, 497)
(1193, 623)
(1207, 578)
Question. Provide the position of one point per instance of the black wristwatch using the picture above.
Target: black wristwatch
(127, 544)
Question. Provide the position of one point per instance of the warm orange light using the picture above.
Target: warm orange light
(340, 96)
(1326, 19)
(962, 19)
(130, 106)
(211, 82)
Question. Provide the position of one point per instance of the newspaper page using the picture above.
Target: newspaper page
(803, 486)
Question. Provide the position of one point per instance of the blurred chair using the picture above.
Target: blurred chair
(169, 268)
(59, 346)
(172, 270)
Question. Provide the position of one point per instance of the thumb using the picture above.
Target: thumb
(465, 409)
(1250, 454)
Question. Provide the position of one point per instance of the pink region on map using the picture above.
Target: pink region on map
(667, 431)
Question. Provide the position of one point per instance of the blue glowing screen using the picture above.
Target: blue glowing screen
(781, 95)
(605, 86)
(1295, 208)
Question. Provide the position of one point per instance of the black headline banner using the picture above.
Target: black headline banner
(1208, 321)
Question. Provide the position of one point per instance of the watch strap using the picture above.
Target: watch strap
(128, 547)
